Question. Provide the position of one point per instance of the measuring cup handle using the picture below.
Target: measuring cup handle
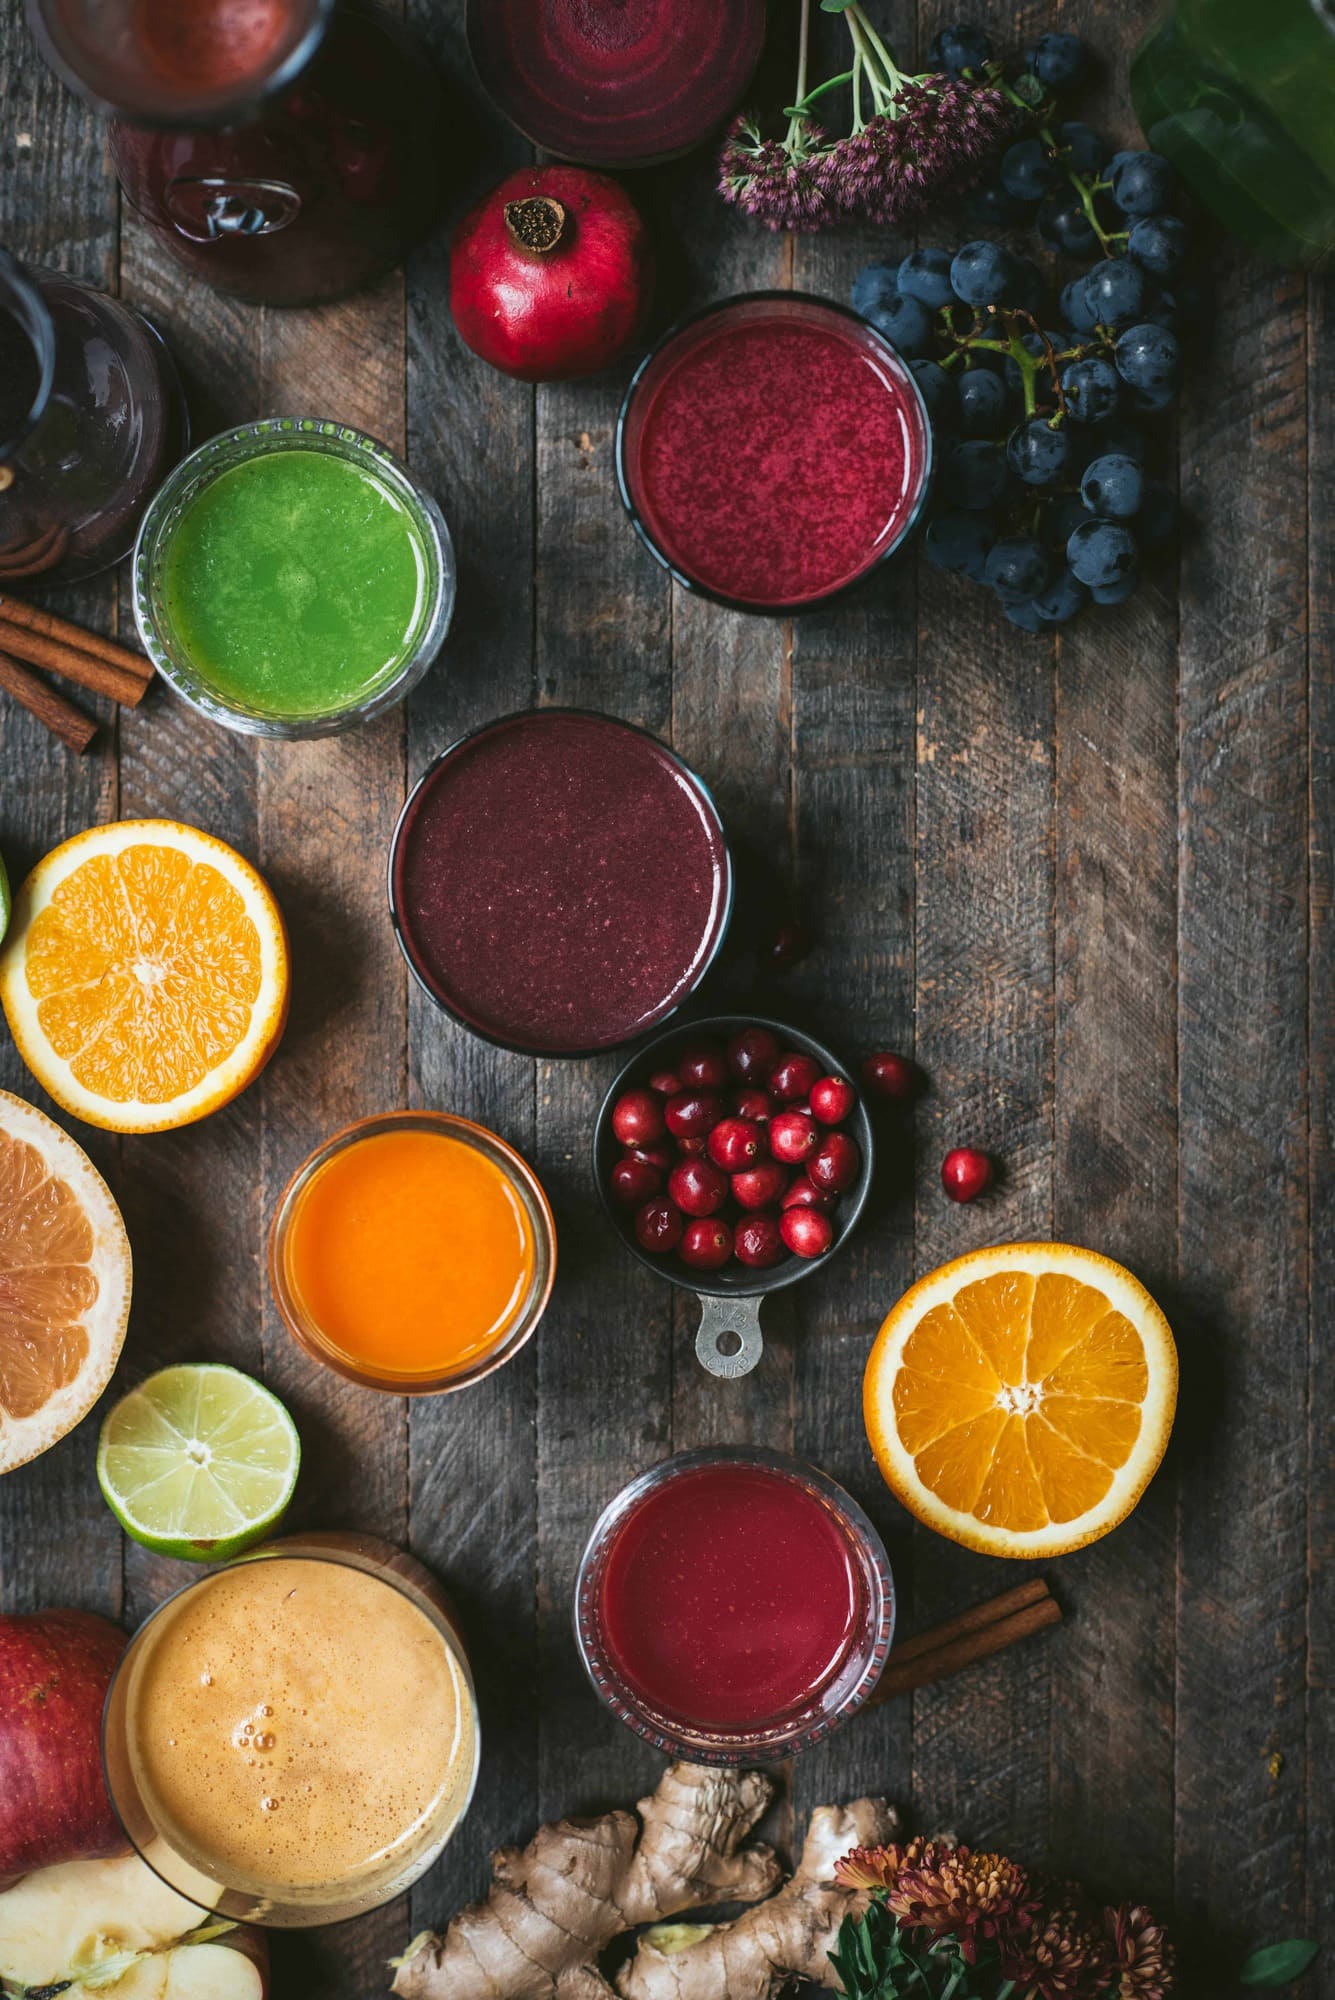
(726, 1320)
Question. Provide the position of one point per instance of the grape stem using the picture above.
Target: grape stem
(1085, 188)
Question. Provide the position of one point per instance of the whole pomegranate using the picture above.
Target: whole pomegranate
(551, 275)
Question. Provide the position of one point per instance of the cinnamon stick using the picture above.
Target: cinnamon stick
(16, 611)
(947, 1649)
(83, 668)
(61, 717)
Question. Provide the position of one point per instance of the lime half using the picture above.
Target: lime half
(199, 1461)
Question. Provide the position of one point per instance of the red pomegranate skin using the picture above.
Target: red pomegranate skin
(557, 314)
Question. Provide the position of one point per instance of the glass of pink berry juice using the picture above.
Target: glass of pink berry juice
(559, 882)
(733, 1603)
(772, 451)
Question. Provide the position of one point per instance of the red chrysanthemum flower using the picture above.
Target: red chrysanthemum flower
(1063, 1956)
(950, 1891)
(1144, 1962)
(877, 1867)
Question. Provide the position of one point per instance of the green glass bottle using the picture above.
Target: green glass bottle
(1240, 96)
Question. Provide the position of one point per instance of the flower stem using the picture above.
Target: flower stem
(795, 121)
(893, 76)
(821, 90)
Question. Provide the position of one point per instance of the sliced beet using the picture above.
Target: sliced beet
(616, 86)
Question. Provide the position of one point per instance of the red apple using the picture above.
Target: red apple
(55, 1668)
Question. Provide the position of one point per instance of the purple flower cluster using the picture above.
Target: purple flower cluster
(932, 141)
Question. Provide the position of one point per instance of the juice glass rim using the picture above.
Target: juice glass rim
(402, 929)
(521, 1177)
(236, 446)
(796, 1732)
(372, 1556)
(877, 341)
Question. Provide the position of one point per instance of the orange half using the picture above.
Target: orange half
(64, 1282)
(145, 975)
(1019, 1399)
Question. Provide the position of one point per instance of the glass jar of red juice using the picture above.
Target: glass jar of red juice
(733, 1603)
(287, 151)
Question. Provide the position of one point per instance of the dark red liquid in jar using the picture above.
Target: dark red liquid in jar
(321, 189)
(730, 1598)
(560, 882)
(616, 82)
(774, 451)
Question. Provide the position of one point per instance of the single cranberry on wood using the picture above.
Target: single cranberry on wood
(632, 1182)
(892, 1077)
(702, 1066)
(697, 1187)
(792, 1077)
(760, 1186)
(966, 1173)
(706, 1245)
(836, 1162)
(808, 1232)
(551, 275)
(735, 1143)
(659, 1227)
(693, 1114)
(789, 943)
(752, 1054)
(832, 1099)
(757, 1241)
(637, 1118)
(803, 1193)
(793, 1137)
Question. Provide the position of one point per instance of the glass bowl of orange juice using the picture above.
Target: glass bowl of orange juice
(293, 1738)
(413, 1252)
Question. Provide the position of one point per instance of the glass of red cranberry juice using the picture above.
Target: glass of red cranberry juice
(773, 450)
(733, 1602)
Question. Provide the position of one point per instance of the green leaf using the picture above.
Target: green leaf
(835, 6)
(1276, 1964)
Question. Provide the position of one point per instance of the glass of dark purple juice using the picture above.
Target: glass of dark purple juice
(91, 422)
(619, 85)
(559, 882)
(287, 151)
(733, 1603)
(773, 450)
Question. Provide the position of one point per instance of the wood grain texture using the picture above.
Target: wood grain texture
(1243, 1200)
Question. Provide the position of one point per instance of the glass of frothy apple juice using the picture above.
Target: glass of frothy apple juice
(293, 1739)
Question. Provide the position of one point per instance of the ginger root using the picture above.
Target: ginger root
(555, 1905)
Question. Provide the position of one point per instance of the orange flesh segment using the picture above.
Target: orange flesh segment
(145, 967)
(1021, 1398)
(46, 1285)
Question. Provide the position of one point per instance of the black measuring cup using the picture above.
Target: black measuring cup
(729, 1341)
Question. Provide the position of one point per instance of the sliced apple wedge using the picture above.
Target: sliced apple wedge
(77, 1921)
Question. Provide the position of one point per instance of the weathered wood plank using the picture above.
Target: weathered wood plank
(1115, 1156)
(473, 1470)
(1244, 1166)
(58, 1543)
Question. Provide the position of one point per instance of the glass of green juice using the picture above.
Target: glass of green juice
(292, 578)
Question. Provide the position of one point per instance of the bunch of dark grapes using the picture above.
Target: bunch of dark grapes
(1044, 394)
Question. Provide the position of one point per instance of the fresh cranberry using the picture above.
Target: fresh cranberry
(892, 1077)
(702, 1066)
(790, 943)
(803, 1193)
(633, 1181)
(792, 1137)
(693, 1114)
(637, 1118)
(754, 1104)
(760, 1186)
(752, 1054)
(735, 1143)
(662, 1156)
(966, 1173)
(758, 1242)
(808, 1232)
(832, 1099)
(658, 1227)
(792, 1077)
(665, 1082)
(836, 1163)
(697, 1187)
(707, 1245)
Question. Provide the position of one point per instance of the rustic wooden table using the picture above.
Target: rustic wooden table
(1089, 881)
